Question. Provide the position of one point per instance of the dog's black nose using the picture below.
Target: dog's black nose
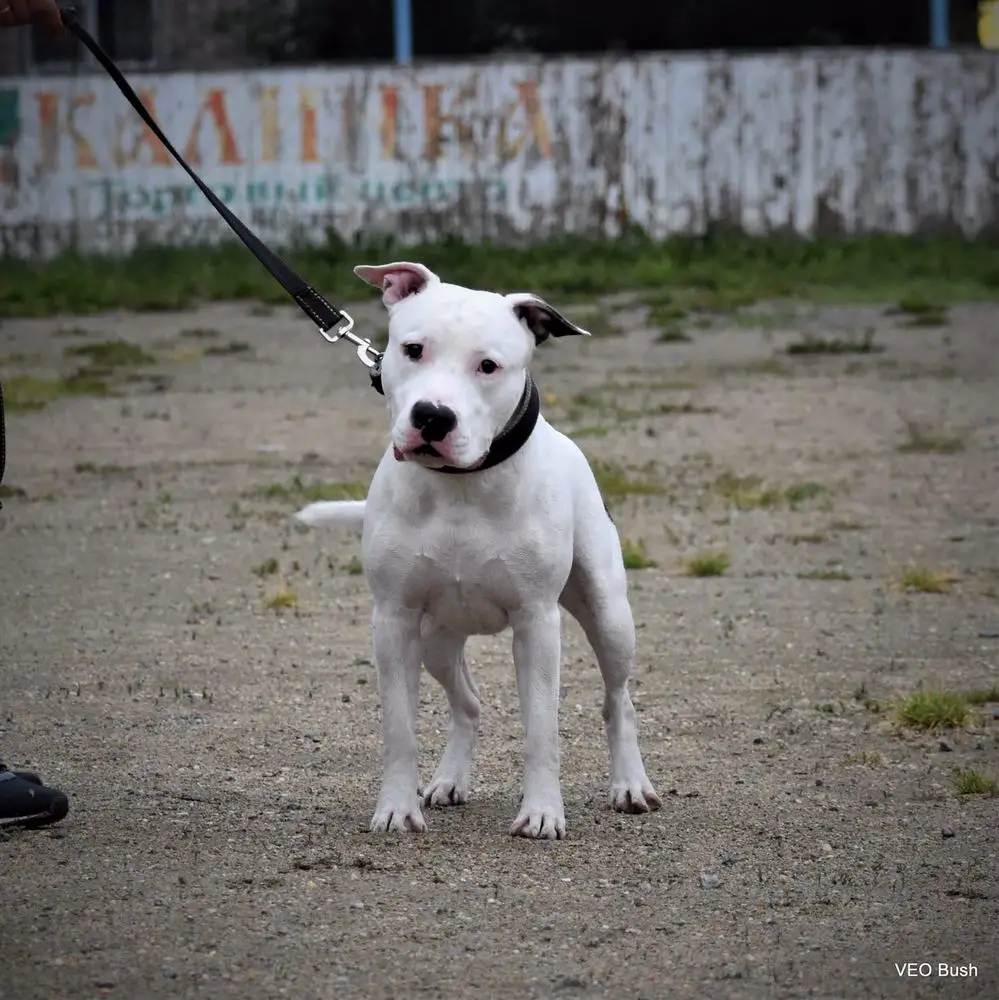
(433, 422)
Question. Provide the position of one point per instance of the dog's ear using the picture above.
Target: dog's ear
(541, 319)
(397, 281)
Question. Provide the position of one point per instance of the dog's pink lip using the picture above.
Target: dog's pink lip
(399, 456)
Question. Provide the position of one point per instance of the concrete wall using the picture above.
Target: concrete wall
(814, 143)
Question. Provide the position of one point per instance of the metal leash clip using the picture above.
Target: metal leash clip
(367, 354)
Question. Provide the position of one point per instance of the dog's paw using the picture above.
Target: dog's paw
(447, 790)
(636, 796)
(398, 817)
(540, 821)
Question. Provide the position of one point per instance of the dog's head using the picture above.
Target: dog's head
(456, 362)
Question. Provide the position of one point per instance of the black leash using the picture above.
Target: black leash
(334, 324)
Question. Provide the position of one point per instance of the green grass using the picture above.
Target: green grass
(615, 482)
(108, 354)
(810, 344)
(717, 272)
(298, 492)
(24, 393)
(924, 580)
(708, 564)
(933, 710)
(825, 574)
(971, 782)
(923, 440)
(634, 554)
(746, 492)
(921, 311)
(983, 696)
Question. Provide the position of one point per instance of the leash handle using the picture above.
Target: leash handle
(315, 306)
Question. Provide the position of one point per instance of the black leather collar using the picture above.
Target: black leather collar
(514, 435)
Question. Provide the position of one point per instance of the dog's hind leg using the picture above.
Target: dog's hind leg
(596, 596)
(444, 658)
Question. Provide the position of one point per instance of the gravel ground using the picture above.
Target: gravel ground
(221, 754)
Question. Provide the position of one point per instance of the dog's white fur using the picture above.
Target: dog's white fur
(449, 556)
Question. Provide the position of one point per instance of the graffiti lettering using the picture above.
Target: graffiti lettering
(214, 108)
(144, 138)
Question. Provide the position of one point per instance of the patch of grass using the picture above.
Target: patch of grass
(921, 439)
(200, 333)
(634, 554)
(825, 574)
(799, 493)
(225, 350)
(353, 566)
(869, 758)
(971, 782)
(615, 482)
(299, 492)
(810, 344)
(268, 567)
(596, 322)
(924, 580)
(708, 564)
(282, 598)
(110, 354)
(746, 492)
(983, 696)
(933, 710)
(813, 538)
(25, 393)
(920, 311)
(672, 334)
(592, 430)
(12, 493)
(715, 272)
(108, 469)
(847, 526)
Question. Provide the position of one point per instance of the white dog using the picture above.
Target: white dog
(482, 516)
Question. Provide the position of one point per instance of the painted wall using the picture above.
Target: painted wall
(840, 142)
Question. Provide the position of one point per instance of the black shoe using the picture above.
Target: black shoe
(26, 802)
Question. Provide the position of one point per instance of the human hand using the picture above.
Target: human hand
(14, 13)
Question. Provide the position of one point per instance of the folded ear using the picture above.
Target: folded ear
(397, 281)
(541, 319)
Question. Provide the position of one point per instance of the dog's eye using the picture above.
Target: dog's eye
(413, 351)
(488, 366)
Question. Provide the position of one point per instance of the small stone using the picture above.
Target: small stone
(758, 741)
(709, 880)
(946, 833)
(989, 633)
(345, 699)
(819, 782)
(945, 747)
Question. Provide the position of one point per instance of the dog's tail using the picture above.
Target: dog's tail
(347, 512)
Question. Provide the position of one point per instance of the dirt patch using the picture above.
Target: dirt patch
(195, 672)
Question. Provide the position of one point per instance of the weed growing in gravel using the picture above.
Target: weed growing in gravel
(933, 710)
(825, 574)
(200, 333)
(746, 492)
(25, 393)
(615, 482)
(869, 758)
(634, 554)
(708, 564)
(109, 354)
(12, 493)
(923, 580)
(920, 311)
(921, 439)
(282, 597)
(810, 344)
(267, 568)
(299, 492)
(800, 493)
(226, 350)
(813, 538)
(983, 696)
(591, 430)
(353, 566)
(971, 782)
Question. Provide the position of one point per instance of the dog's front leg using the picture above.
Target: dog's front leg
(537, 650)
(398, 652)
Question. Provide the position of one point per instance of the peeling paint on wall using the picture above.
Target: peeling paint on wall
(806, 143)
